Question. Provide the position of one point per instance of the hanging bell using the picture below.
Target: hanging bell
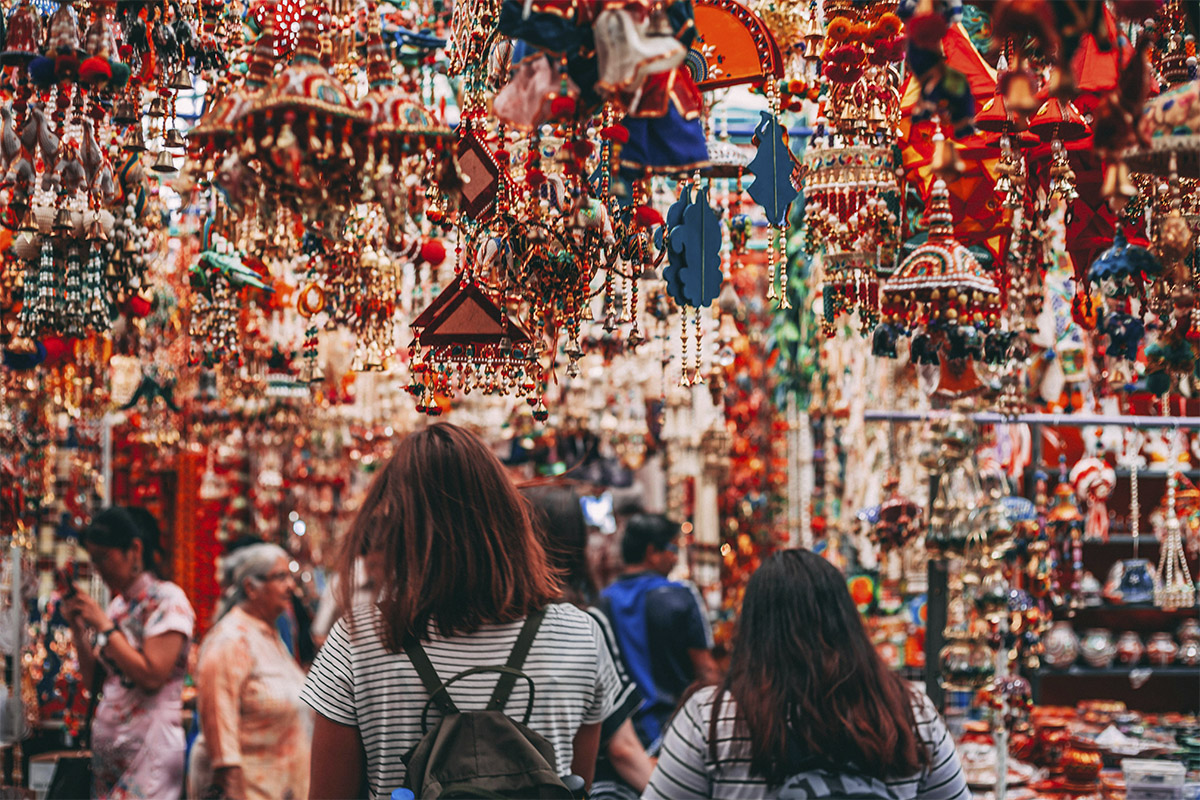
(135, 142)
(62, 221)
(95, 231)
(28, 222)
(946, 161)
(156, 108)
(175, 140)
(124, 112)
(182, 81)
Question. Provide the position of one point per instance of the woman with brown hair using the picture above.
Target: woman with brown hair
(461, 569)
(808, 709)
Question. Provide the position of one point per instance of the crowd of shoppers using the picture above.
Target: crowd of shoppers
(468, 623)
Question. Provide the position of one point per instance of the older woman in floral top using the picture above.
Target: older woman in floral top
(141, 643)
(254, 731)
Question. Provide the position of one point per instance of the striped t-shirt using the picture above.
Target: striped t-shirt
(356, 681)
(685, 770)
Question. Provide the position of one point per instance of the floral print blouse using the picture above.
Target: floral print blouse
(137, 736)
(251, 715)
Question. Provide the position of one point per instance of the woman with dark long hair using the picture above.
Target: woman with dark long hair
(139, 645)
(622, 768)
(460, 569)
(808, 709)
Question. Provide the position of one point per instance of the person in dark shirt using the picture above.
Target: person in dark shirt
(660, 624)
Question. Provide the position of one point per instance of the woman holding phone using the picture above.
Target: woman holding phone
(140, 641)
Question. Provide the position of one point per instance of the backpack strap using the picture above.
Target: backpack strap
(516, 659)
(433, 684)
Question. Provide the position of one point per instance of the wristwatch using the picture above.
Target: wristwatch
(102, 638)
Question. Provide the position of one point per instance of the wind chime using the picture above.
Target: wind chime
(852, 199)
(1174, 587)
(943, 298)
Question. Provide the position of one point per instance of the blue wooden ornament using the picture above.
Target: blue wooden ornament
(772, 169)
(700, 239)
(672, 272)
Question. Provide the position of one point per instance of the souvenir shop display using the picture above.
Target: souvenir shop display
(911, 283)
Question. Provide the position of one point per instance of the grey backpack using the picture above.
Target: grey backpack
(481, 754)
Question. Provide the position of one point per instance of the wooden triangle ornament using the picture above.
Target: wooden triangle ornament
(466, 317)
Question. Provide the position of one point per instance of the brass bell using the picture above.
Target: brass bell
(946, 161)
(62, 221)
(175, 140)
(156, 108)
(95, 231)
(28, 222)
(124, 113)
(164, 163)
(135, 142)
(182, 81)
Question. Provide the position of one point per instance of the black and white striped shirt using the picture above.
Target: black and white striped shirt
(685, 771)
(356, 681)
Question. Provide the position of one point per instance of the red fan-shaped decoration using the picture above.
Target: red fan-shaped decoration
(735, 45)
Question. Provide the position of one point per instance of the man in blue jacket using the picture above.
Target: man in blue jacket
(661, 625)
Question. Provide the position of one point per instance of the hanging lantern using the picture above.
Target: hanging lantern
(942, 295)
(850, 192)
(305, 124)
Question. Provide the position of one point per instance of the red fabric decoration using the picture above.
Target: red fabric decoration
(137, 307)
(647, 217)
(56, 348)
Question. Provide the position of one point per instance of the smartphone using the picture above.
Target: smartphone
(64, 582)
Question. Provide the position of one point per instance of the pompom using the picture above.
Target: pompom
(887, 27)
(927, 30)
(95, 70)
(41, 71)
(535, 177)
(433, 252)
(838, 30)
(120, 74)
(887, 51)
(562, 107)
(615, 133)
